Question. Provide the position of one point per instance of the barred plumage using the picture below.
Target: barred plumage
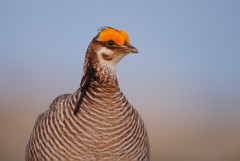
(106, 127)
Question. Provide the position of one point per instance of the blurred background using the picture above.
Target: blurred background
(185, 82)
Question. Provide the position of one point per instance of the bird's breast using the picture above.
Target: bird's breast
(106, 120)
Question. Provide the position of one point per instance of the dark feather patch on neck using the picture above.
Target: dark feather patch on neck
(84, 86)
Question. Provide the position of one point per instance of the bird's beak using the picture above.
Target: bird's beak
(131, 49)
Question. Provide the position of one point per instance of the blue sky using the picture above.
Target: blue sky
(186, 75)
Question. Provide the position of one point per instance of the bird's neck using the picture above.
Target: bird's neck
(102, 74)
(103, 82)
(105, 75)
(98, 78)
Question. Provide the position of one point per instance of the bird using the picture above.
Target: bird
(96, 122)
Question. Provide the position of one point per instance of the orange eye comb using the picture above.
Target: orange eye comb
(118, 36)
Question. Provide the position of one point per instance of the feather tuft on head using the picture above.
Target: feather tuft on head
(118, 36)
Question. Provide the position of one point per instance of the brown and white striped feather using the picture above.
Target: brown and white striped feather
(107, 127)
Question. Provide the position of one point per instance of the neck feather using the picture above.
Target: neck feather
(104, 71)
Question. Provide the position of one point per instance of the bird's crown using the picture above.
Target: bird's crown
(118, 36)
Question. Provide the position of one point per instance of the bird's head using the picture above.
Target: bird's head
(109, 47)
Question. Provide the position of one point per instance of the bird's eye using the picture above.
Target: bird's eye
(110, 43)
